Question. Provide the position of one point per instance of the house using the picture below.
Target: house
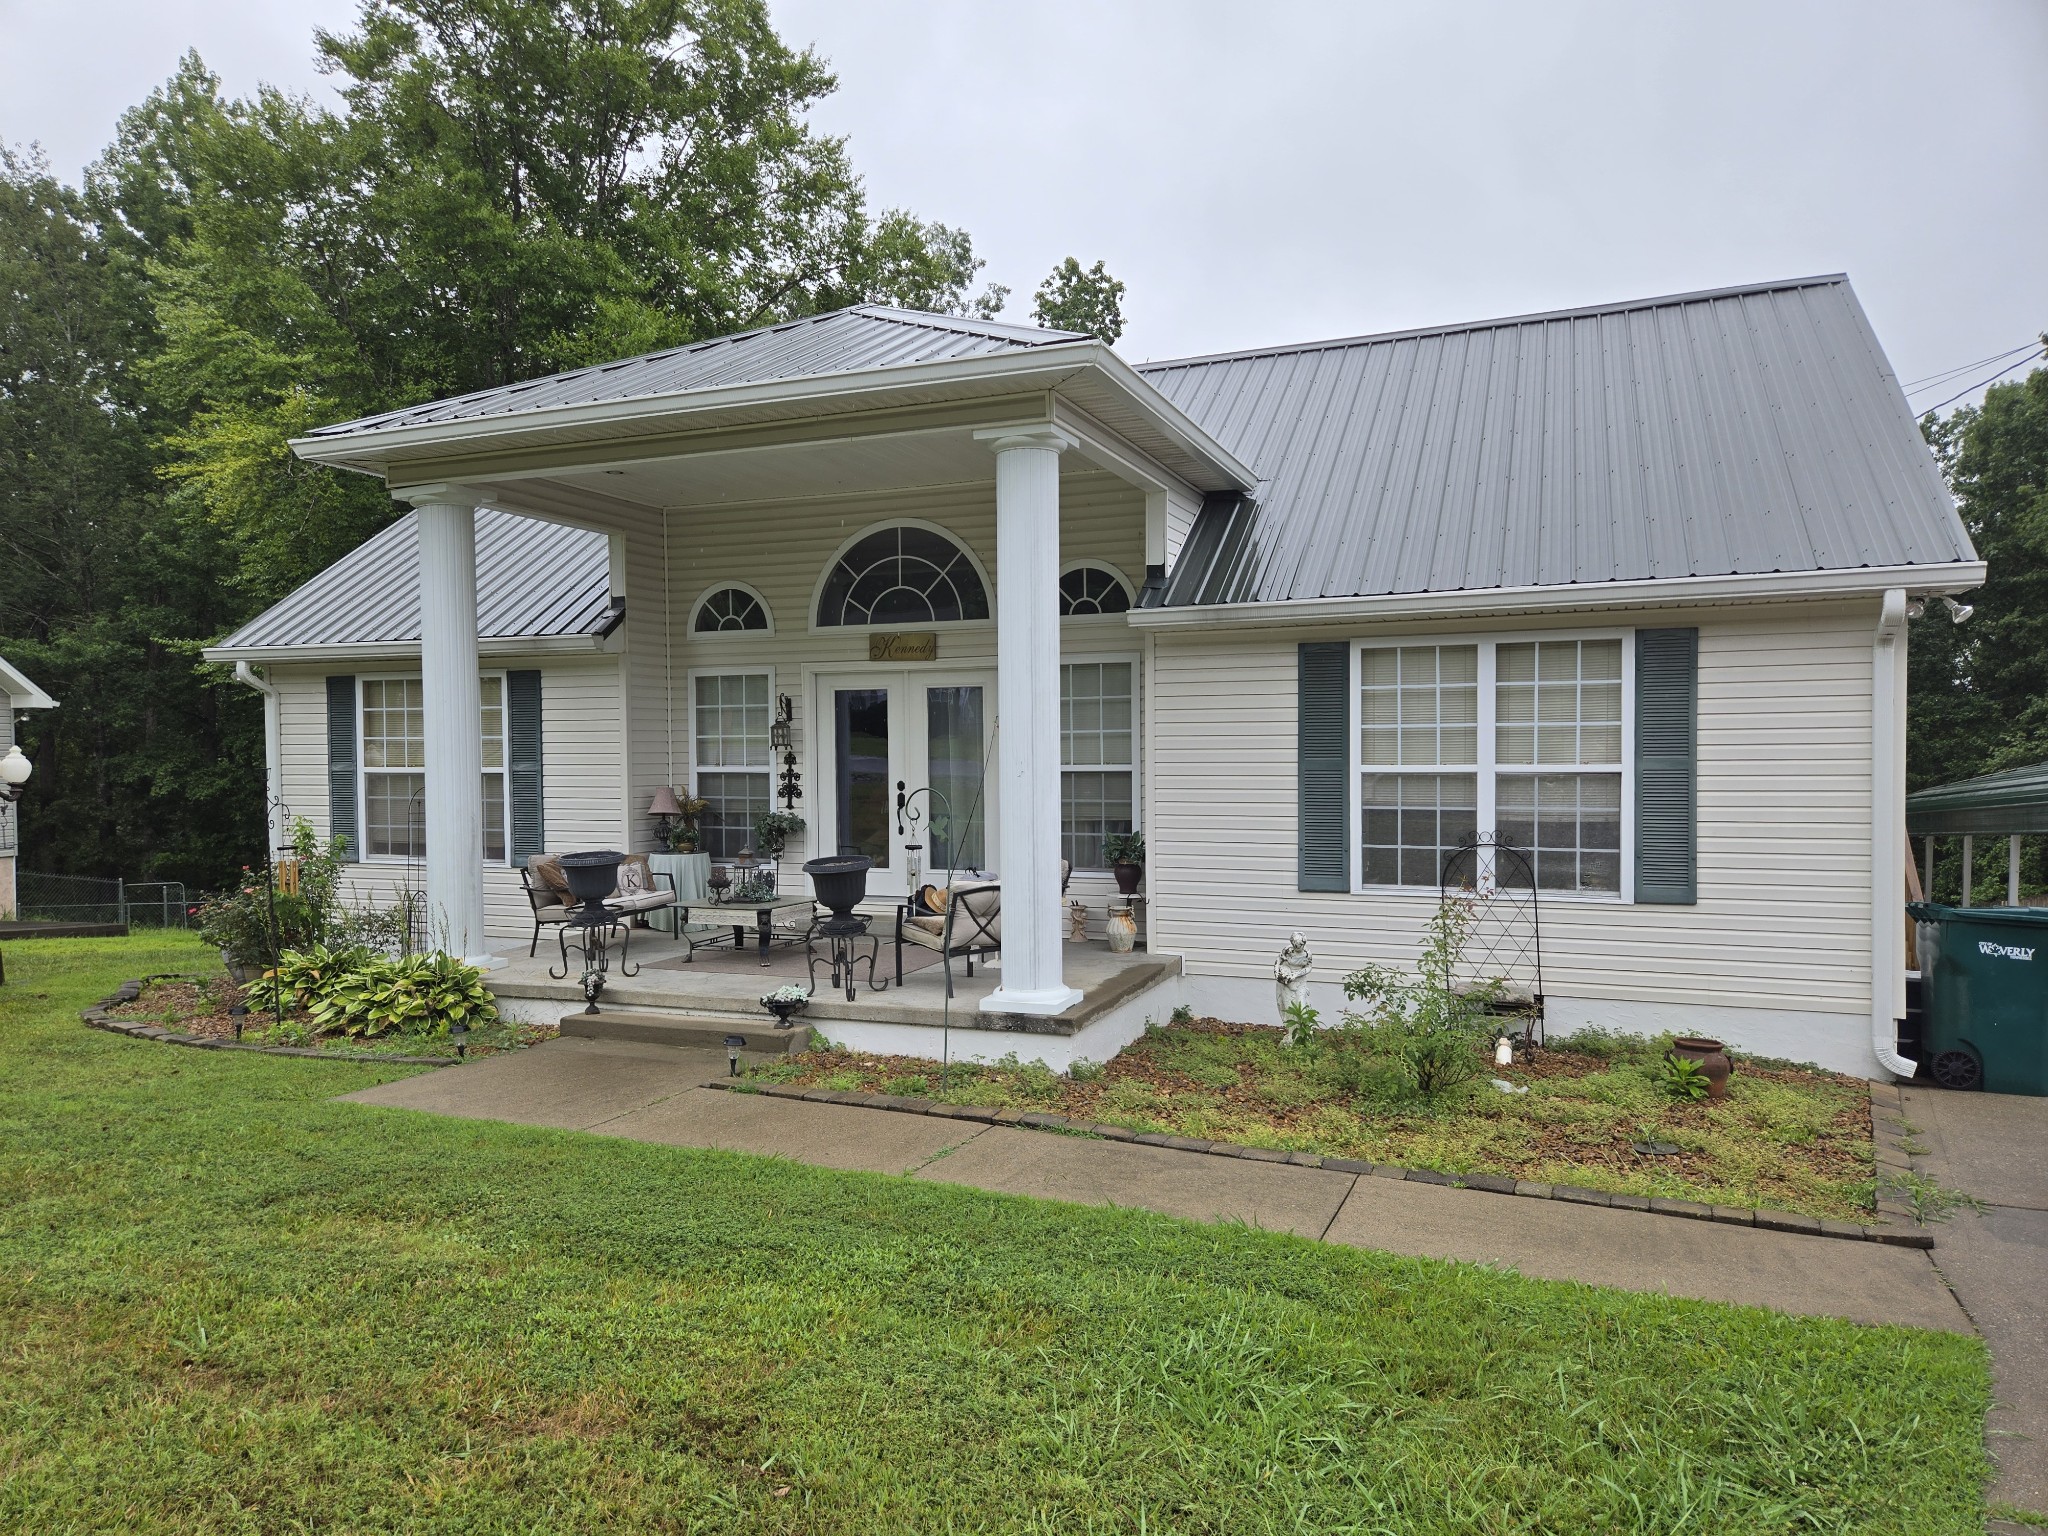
(1625, 585)
(16, 693)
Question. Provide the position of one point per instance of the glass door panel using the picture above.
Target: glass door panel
(956, 738)
(864, 788)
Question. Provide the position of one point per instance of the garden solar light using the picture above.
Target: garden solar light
(459, 1033)
(732, 1054)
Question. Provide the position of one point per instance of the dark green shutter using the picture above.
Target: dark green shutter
(522, 732)
(341, 762)
(1324, 730)
(1667, 766)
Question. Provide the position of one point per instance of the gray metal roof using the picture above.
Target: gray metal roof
(1740, 431)
(844, 341)
(1996, 805)
(533, 579)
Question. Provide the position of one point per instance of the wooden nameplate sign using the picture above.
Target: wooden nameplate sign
(904, 647)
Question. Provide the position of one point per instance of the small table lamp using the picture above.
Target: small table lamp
(665, 809)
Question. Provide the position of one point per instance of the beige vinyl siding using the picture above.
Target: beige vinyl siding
(581, 772)
(781, 550)
(1783, 915)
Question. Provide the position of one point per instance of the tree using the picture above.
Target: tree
(105, 594)
(1077, 298)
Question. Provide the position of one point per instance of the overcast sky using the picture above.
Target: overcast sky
(1265, 172)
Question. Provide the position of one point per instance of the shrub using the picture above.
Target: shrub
(1683, 1079)
(1429, 1031)
(361, 993)
(254, 924)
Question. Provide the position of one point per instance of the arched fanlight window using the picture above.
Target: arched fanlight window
(729, 609)
(1090, 589)
(902, 575)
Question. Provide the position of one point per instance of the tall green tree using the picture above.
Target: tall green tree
(105, 593)
(1078, 298)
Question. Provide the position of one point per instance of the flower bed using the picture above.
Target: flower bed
(198, 1006)
(1786, 1138)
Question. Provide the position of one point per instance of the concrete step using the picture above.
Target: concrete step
(702, 1031)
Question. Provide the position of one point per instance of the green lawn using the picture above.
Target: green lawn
(232, 1305)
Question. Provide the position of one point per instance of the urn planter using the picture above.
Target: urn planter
(1711, 1057)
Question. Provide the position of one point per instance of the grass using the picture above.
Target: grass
(232, 1304)
(1786, 1138)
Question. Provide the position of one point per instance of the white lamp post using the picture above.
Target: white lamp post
(15, 769)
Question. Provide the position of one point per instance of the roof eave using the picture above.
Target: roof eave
(371, 451)
(405, 650)
(1923, 580)
(21, 693)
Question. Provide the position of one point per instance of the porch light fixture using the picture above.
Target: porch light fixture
(782, 738)
(733, 1046)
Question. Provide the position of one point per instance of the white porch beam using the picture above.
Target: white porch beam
(452, 698)
(1028, 716)
(2012, 870)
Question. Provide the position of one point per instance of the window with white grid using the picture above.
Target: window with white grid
(1418, 710)
(732, 759)
(1098, 711)
(394, 760)
(1558, 752)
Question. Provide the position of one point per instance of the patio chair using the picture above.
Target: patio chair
(547, 893)
(970, 926)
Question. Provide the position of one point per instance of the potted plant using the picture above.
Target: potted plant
(684, 836)
(773, 830)
(784, 1001)
(1126, 854)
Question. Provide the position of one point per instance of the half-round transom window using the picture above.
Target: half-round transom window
(902, 575)
(730, 608)
(1091, 589)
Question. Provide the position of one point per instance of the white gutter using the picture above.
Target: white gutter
(273, 752)
(1957, 576)
(1888, 833)
(370, 448)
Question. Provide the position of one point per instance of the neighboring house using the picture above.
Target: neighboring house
(1626, 584)
(16, 693)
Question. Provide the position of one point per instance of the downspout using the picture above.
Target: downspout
(1888, 833)
(273, 751)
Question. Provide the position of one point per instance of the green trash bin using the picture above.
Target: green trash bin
(1985, 971)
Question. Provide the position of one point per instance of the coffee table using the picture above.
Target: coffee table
(723, 915)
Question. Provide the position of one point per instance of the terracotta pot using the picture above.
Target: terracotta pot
(1711, 1056)
(1127, 878)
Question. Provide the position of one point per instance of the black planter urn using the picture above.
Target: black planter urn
(840, 882)
(591, 877)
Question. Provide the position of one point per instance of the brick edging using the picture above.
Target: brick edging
(97, 1017)
(1888, 1138)
(1885, 1227)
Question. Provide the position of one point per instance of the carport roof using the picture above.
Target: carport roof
(1995, 805)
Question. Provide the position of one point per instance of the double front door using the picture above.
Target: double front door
(927, 736)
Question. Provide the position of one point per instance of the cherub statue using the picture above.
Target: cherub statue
(1291, 971)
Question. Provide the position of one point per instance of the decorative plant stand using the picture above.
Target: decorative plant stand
(841, 883)
(592, 877)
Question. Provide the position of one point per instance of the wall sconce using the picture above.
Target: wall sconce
(782, 738)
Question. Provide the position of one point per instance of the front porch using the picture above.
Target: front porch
(687, 1001)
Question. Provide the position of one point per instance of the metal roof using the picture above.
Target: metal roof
(1741, 431)
(1996, 805)
(844, 341)
(533, 579)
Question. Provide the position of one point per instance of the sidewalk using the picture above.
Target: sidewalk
(1995, 1146)
(652, 1093)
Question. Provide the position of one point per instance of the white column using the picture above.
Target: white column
(451, 694)
(1028, 717)
(2012, 871)
(1969, 866)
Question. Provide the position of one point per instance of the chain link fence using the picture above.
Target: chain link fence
(41, 898)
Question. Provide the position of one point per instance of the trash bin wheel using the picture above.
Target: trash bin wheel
(1958, 1069)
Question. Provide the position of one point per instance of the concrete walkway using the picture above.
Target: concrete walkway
(651, 1093)
(1995, 1146)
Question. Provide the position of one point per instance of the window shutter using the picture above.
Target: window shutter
(523, 746)
(341, 762)
(523, 764)
(1324, 728)
(1667, 766)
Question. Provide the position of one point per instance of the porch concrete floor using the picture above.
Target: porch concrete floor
(1104, 979)
(648, 1093)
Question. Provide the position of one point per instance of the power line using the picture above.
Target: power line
(1952, 399)
(1934, 380)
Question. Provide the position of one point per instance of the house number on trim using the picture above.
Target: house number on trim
(905, 647)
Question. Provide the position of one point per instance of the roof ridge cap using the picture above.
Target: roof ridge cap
(998, 330)
(1371, 338)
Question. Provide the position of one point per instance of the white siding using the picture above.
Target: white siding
(782, 549)
(1783, 916)
(581, 773)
